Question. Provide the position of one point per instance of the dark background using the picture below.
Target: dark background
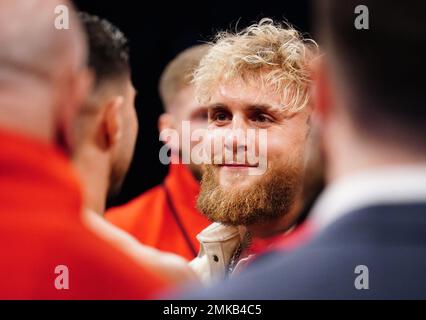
(157, 32)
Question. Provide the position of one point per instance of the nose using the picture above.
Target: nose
(235, 137)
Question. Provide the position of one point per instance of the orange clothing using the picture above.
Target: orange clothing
(41, 228)
(165, 217)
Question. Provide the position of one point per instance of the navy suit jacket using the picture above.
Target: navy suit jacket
(390, 240)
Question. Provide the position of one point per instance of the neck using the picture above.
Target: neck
(93, 167)
(274, 227)
(195, 171)
(27, 108)
(362, 156)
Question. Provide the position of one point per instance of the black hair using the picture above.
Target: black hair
(108, 49)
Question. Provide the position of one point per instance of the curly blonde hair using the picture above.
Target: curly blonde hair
(277, 55)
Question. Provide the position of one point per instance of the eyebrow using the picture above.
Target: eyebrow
(216, 107)
(254, 107)
(264, 108)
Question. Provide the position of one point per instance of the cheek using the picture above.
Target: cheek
(130, 128)
(198, 125)
(214, 141)
(197, 136)
(285, 146)
(196, 131)
(133, 120)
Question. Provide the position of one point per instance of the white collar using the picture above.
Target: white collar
(385, 185)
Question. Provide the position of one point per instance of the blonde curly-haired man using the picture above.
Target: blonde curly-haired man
(257, 81)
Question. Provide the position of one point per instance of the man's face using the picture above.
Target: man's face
(123, 153)
(186, 108)
(240, 193)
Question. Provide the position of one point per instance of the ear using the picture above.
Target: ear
(166, 121)
(111, 123)
(322, 100)
(71, 97)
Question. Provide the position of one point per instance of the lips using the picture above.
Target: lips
(238, 165)
(234, 163)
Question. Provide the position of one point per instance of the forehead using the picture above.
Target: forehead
(185, 102)
(240, 94)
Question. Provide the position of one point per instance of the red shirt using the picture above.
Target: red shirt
(165, 217)
(298, 237)
(41, 228)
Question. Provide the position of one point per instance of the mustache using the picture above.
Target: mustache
(242, 160)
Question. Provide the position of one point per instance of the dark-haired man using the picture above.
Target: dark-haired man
(108, 128)
(165, 217)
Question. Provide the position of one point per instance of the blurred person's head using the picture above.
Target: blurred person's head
(314, 174)
(370, 85)
(256, 79)
(108, 123)
(178, 96)
(43, 79)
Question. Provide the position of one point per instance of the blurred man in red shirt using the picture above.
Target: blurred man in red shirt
(47, 252)
(165, 217)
